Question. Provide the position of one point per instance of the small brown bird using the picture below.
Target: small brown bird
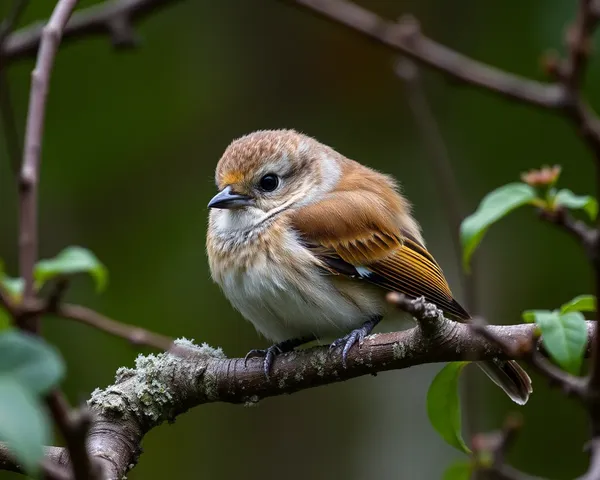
(305, 243)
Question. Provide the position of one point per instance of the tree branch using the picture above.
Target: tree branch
(579, 44)
(490, 450)
(163, 386)
(113, 18)
(78, 313)
(584, 234)
(74, 427)
(135, 335)
(28, 181)
(404, 37)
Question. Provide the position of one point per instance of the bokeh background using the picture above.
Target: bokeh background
(132, 139)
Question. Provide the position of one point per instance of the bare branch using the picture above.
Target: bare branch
(579, 44)
(74, 427)
(173, 383)
(496, 445)
(570, 74)
(53, 467)
(28, 182)
(135, 335)
(404, 37)
(580, 230)
(113, 18)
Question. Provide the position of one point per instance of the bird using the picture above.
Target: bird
(305, 243)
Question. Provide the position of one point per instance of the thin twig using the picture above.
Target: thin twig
(54, 466)
(496, 445)
(584, 234)
(87, 316)
(113, 18)
(29, 177)
(404, 37)
(135, 335)
(74, 427)
(570, 74)
(579, 44)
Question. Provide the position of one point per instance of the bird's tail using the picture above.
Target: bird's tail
(510, 377)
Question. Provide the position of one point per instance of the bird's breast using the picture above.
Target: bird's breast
(278, 285)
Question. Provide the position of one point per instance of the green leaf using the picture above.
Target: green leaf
(566, 198)
(24, 425)
(70, 261)
(565, 336)
(492, 208)
(460, 470)
(30, 361)
(582, 303)
(443, 405)
(14, 286)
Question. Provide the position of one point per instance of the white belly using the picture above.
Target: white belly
(284, 302)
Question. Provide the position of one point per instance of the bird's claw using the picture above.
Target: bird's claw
(268, 354)
(348, 341)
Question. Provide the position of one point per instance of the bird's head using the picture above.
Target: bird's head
(267, 172)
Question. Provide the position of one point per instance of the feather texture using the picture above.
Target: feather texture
(362, 229)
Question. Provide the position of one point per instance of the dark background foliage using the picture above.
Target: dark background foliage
(131, 142)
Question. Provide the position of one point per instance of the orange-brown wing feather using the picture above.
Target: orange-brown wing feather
(352, 229)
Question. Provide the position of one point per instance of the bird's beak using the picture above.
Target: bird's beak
(228, 199)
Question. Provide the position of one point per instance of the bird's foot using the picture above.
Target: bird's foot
(355, 336)
(270, 353)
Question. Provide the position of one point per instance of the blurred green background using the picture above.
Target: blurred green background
(132, 139)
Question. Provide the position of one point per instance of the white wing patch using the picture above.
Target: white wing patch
(363, 271)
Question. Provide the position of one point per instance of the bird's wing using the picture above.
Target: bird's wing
(351, 237)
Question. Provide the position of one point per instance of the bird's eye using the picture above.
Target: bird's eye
(269, 182)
